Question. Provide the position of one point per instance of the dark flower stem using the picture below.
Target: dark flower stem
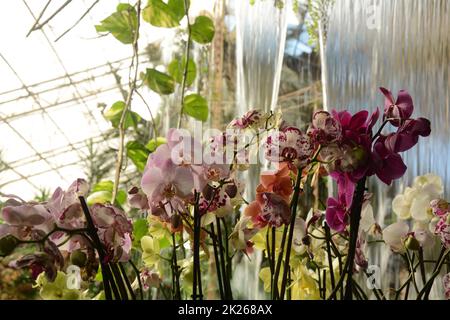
(355, 217)
(294, 204)
(175, 270)
(217, 263)
(108, 279)
(106, 273)
(197, 285)
(330, 258)
(227, 252)
(225, 274)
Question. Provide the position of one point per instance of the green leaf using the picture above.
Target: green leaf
(122, 24)
(160, 14)
(196, 106)
(155, 143)
(101, 197)
(138, 153)
(140, 229)
(202, 31)
(121, 197)
(159, 81)
(176, 70)
(177, 7)
(102, 193)
(114, 113)
(104, 185)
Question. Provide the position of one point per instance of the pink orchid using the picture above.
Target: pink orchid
(172, 186)
(65, 206)
(440, 207)
(114, 230)
(172, 172)
(324, 129)
(446, 285)
(137, 199)
(289, 145)
(213, 199)
(247, 120)
(442, 229)
(149, 279)
(269, 209)
(399, 110)
(360, 254)
(31, 214)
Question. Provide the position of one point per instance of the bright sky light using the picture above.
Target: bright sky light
(71, 113)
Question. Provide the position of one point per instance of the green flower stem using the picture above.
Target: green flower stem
(132, 89)
(138, 276)
(187, 53)
(127, 281)
(422, 265)
(272, 258)
(410, 262)
(406, 284)
(425, 292)
(119, 281)
(275, 295)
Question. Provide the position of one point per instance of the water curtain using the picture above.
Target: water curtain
(398, 44)
(260, 42)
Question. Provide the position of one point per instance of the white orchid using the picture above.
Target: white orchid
(415, 201)
(395, 235)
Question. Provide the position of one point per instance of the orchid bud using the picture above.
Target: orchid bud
(208, 192)
(231, 190)
(7, 245)
(133, 190)
(176, 221)
(306, 240)
(78, 258)
(411, 243)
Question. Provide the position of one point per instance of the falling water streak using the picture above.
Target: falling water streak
(405, 45)
(260, 40)
(260, 43)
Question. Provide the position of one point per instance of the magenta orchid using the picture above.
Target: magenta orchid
(397, 111)
(356, 153)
